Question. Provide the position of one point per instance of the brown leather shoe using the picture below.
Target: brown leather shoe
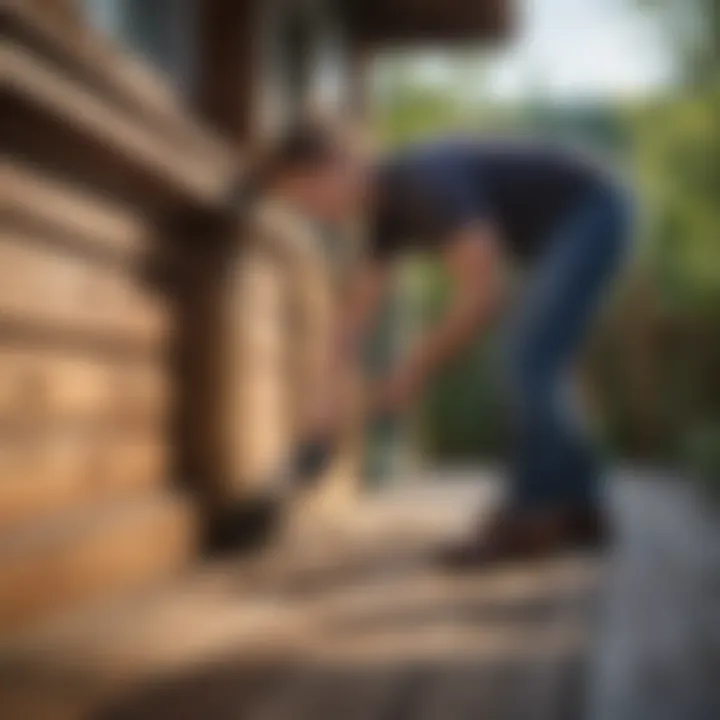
(514, 534)
(510, 535)
(588, 527)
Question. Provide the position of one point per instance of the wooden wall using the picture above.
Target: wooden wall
(157, 348)
(97, 155)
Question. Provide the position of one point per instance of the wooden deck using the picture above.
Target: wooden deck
(352, 621)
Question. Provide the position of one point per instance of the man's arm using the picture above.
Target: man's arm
(358, 308)
(474, 260)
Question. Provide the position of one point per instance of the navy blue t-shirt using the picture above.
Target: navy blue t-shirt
(426, 193)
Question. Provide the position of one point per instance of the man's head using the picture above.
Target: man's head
(310, 168)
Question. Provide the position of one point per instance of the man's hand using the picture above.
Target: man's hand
(324, 416)
(473, 260)
(396, 393)
(331, 405)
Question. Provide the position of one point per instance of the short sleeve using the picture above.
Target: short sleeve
(423, 201)
(458, 200)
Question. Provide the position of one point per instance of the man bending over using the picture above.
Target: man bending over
(481, 205)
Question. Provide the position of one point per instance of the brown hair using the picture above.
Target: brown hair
(301, 147)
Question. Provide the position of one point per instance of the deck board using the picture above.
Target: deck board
(659, 641)
(366, 628)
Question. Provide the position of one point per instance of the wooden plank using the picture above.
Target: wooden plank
(310, 328)
(377, 22)
(68, 292)
(113, 73)
(65, 12)
(347, 693)
(258, 411)
(658, 655)
(42, 473)
(35, 82)
(229, 34)
(288, 246)
(40, 387)
(374, 640)
(98, 552)
(32, 197)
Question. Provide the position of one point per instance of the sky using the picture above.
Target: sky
(570, 49)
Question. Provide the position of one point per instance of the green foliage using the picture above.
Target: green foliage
(409, 110)
(702, 456)
(677, 158)
(462, 416)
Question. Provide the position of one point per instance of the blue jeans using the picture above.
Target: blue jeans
(554, 462)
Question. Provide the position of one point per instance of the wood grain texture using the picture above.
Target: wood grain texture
(31, 197)
(354, 621)
(258, 411)
(659, 649)
(109, 70)
(40, 388)
(47, 472)
(99, 551)
(51, 288)
(32, 81)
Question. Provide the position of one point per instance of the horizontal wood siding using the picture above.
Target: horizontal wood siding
(48, 471)
(43, 386)
(77, 421)
(34, 81)
(80, 558)
(111, 73)
(33, 198)
(46, 286)
(101, 161)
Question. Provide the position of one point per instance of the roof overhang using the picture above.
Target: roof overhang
(373, 22)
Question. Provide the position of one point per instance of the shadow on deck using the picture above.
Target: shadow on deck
(356, 623)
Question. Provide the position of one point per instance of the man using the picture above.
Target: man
(478, 205)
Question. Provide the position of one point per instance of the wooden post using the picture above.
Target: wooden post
(228, 65)
(246, 377)
(212, 246)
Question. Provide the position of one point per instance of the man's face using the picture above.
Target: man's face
(330, 193)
